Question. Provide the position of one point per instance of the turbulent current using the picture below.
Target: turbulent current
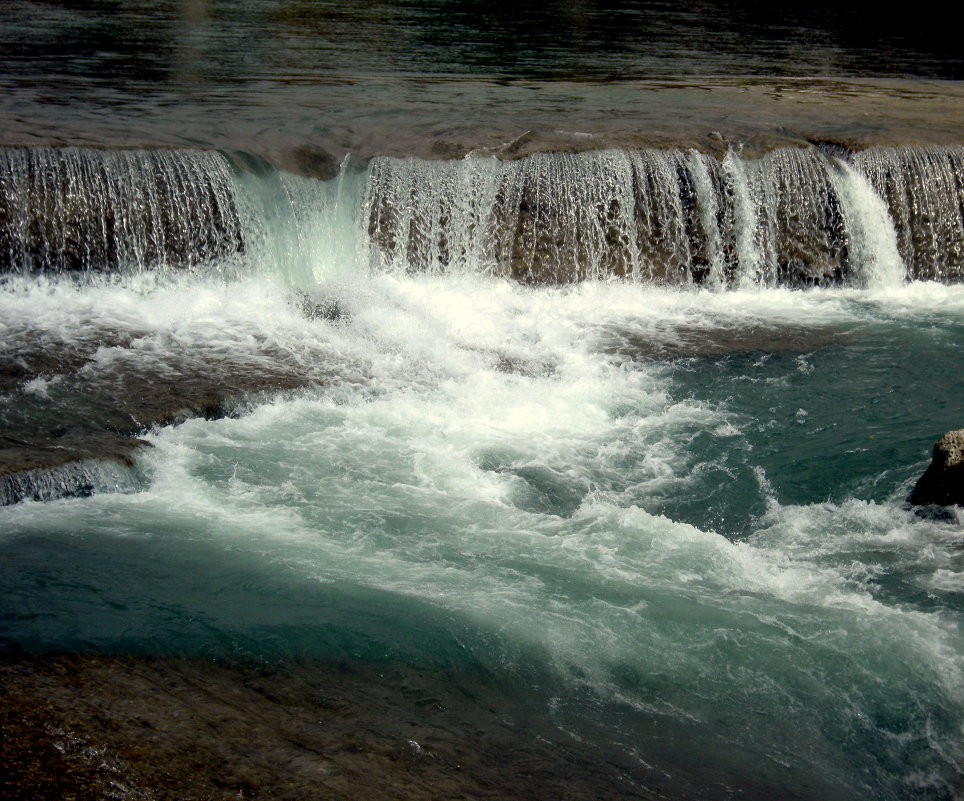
(624, 437)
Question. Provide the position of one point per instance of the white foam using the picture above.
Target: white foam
(461, 405)
(871, 235)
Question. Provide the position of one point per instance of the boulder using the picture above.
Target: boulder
(943, 481)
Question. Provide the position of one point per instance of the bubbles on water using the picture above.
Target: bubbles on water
(481, 453)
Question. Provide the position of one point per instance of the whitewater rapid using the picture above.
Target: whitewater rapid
(566, 485)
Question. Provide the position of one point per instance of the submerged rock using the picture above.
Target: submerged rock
(86, 432)
(163, 728)
(308, 160)
(943, 482)
(686, 341)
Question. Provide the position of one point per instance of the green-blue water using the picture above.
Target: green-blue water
(699, 560)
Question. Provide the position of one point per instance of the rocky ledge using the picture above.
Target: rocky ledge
(74, 408)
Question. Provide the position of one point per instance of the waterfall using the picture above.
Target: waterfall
(923, 188)
(69, 209)
(793, 217)
(659, 216)
(872, 239)
(701, 168)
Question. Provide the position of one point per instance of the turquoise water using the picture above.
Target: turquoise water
(698, 561)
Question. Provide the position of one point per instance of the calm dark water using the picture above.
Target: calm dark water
(194, 42)
(386, 77)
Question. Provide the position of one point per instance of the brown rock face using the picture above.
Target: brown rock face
(943, 481)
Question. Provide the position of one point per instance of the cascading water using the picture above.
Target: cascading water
(923, 188)
(69, 209)
(872, 241)
(641, 507)
(794, 217)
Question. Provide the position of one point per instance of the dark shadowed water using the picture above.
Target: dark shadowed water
(404, 78)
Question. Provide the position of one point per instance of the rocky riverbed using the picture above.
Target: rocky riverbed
(144, 728)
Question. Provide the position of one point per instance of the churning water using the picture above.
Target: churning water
(660, 507)
(610, 441)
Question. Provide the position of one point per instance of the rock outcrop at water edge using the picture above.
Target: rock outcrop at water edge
(942, 484)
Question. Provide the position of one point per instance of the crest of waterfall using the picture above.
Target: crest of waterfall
(69, 209)
(923, 188)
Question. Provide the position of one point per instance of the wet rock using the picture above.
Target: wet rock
(445, 149)
(78, 479)
(692, 341)
(943, 482)
(181, 729)
(310, 161)
(711, 143)
(71, 413)
(41, 459)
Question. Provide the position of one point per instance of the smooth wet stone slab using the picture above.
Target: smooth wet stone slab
(177, 729)
(80, 420)
(690, 341)
(452, 116)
